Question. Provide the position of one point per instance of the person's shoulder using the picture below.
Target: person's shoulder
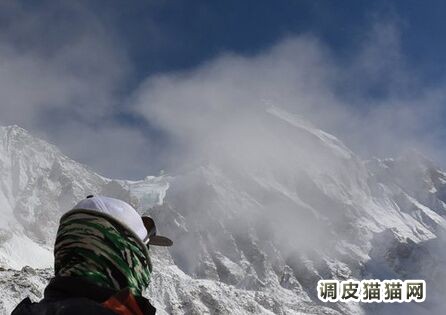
(23, 307)
(70, 306)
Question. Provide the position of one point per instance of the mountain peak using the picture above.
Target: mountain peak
(326, 139)
(13, 131)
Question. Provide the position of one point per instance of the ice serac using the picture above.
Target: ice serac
(254, 228)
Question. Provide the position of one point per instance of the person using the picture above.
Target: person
(102, 264)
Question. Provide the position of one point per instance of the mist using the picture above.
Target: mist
(373, 102)
(254, 123)
(70, 85)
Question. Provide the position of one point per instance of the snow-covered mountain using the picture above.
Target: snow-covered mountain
(254, 228)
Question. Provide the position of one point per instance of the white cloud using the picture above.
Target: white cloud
(70, 66)
(60, 74)
(373, 101)
(62, 81)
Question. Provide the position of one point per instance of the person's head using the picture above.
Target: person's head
(105, 241)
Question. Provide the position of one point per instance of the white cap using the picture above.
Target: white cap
(118, 209)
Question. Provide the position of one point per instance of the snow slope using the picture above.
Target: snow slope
(252, 235)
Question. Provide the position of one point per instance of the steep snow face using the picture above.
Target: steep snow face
(306, 210)
(37, 185)
(256, 226)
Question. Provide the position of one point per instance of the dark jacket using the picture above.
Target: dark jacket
(74, 296)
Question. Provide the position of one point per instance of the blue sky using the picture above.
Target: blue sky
(74, 72)
(170, 35)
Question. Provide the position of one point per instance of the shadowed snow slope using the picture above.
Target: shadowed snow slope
(254, 227)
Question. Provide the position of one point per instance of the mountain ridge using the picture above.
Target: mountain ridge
(251, 235)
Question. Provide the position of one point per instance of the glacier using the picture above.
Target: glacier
(253, 229)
